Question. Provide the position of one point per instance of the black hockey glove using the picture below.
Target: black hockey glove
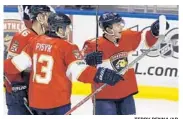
(105, 75)
(94, 58)
(18, 86)
(19, 91)
(155, 27)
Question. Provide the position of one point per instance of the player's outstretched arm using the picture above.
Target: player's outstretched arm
(152, 35)
(79, 70)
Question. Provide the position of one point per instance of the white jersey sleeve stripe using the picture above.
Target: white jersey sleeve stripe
(75, 69)
(22, 61)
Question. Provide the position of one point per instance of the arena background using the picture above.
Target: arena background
(157, 73)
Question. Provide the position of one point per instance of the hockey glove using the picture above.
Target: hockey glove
(94, 58)
(18, 86)
(155, 27)
(105, 75)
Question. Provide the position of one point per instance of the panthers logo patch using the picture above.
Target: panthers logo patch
(14, 47)
(119, 61)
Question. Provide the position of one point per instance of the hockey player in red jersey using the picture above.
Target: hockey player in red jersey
(54, 60)
(115, 47)
(37, 22)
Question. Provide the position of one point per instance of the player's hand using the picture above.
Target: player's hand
(18, 86)
(94, 58)
(155, 27)
(105, 75)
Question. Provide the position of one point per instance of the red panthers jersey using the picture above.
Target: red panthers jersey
(116, 58)
(53, 61)
(18, 43)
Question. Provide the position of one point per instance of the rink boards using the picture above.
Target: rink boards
(157, 73)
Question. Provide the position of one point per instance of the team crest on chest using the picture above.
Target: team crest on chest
(119, 61)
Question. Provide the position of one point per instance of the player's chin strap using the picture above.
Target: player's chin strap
(115, 38)
(61, 36)
(111, 34)
(67, 29)
(41, 24)
(161, 37)
(64, 36)
(43, 28)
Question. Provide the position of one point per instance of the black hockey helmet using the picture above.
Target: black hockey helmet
(37, 9)
(109, 18)
(58, 20)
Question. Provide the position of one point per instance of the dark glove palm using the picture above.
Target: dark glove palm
(155, 27)
(94, 58)
(105, 75)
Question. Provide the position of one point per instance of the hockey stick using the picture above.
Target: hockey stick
(94, 97)
(162, 30)
(97, 9)
(26, 105)
(7, 79)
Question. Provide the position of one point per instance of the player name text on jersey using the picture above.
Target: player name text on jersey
(43, 47)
